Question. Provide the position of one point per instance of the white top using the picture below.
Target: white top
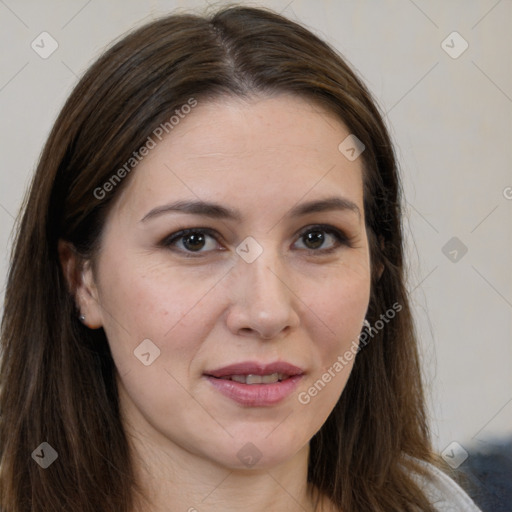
(444, 493)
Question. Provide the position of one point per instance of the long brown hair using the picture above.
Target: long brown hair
(57, 377)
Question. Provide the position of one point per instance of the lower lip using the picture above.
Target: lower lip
(256, 395)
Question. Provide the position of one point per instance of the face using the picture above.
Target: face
(233, 280)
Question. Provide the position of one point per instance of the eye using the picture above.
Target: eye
(321, 239)
(197, 240)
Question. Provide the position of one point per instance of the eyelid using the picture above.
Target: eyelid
(339, 234)
(168, 241)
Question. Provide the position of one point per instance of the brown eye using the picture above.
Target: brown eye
(189, 241)
(194, 241)
(321, 239)
(314, 239)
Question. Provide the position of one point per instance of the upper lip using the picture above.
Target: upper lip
(255, 368)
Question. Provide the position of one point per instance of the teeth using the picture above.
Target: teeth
(258, 379)
(270, 379)
(239, 378)
(254, 379)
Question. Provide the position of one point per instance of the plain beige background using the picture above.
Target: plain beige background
(450, 114)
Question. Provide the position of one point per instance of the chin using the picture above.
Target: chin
(257, 452)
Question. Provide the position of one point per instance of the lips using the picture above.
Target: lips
(256, 384)
(255, 368)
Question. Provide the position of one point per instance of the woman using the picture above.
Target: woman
(210, 257)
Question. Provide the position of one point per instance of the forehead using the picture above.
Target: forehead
(262, 151)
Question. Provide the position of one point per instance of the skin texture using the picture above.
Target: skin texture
(262, 157)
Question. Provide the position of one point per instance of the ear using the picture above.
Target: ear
(81, 283)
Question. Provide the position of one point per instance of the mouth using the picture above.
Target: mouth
(256, 384)
(251, 379)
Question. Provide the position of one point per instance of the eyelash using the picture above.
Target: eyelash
(340, 239)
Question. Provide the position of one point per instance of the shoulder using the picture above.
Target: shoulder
(444, 494)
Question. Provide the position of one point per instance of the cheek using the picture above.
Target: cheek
(160, 304)
(338, 304)
(156, 324)
(336, 313)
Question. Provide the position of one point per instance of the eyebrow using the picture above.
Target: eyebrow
(216, 211)
(213, 210)
(324, 205)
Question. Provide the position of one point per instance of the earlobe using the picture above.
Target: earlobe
(88, 299)
(81, 284)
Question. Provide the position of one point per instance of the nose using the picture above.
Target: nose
(263, 304)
